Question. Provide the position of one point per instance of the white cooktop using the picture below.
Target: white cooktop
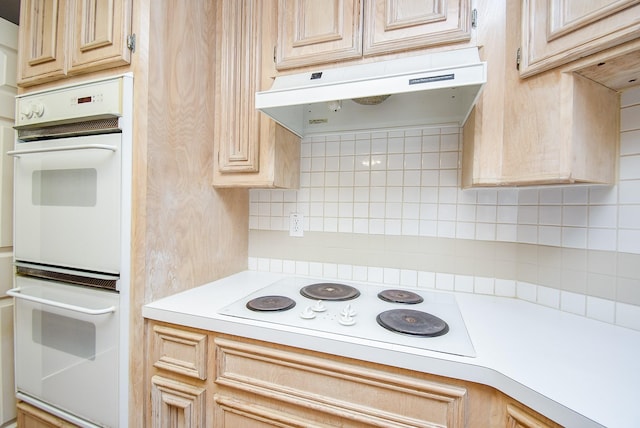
(362, 321)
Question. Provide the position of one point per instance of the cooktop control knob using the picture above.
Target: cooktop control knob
(307, 314)
(37, 109)
(26, 112)
(319, 307)
(348, 311)
(346, 319)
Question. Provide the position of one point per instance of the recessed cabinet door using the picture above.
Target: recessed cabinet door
(239, 68)
(317, 31)
(42, 39)
(398, 25)
(555, 32)
(252, 150)
(99, 30)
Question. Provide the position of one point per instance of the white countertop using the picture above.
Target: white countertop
(577, 371)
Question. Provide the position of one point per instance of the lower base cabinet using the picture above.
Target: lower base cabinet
(29, 416)
(201, 379)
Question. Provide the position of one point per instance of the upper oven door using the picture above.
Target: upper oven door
(67, 202)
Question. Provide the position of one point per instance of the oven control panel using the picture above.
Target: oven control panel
(92, 100)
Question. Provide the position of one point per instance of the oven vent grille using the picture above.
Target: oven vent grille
(90, 127)
(107, 283)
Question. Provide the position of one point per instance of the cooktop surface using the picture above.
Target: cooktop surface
(423, 319)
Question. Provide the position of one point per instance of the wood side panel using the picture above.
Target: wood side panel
(176, 211)
(595, 131)
(483, 140)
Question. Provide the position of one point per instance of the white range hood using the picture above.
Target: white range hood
(436, 88)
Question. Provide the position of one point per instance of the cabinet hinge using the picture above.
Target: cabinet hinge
(274, 54)
(518, 58)
(474, 18)
(131, 42)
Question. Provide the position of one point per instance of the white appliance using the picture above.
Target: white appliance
(357, 316)
(72, 178)
(433, 88)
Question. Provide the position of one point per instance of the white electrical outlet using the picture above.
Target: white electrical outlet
(296, 223)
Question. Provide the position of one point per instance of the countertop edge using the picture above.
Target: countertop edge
(479, 370)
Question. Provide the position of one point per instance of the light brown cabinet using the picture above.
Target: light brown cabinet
(254, 384)
(178, 392)
(556, 32)
(557, 127)
(320, 32)
(59, 38)
(32, 417)
(266, 383)
(519, 417)
(252, 150)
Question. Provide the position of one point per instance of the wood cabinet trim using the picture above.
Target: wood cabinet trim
(520, 418)
(172, 400)
(546, 46)
(383, 34)
(170, 345)
(226, 405)
(246, 367)
(239, 71)
(94, 46)
(295, 49)
(37, 62)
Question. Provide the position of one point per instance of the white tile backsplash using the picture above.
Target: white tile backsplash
(407, 182)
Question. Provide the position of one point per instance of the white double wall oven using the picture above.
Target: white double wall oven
(72, 240)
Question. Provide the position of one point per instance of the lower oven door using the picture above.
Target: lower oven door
(66, 345)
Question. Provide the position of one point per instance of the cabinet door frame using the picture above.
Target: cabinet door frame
(238, 63)
(42, 40)
(95, 44)
(299, 46)
(387, 30)
(550, 39)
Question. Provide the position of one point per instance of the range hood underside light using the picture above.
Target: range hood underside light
(442, 95)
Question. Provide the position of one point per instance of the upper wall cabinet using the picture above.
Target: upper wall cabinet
(317, 32)
(556, 127)
(556, 32)
(67, 37)
(252, 150)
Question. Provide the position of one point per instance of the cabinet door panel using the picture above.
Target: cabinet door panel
(42, 39)
(99, 30)
(176, 404)
(555, 32)
(396, 25)
(317, 31)
(239, 71)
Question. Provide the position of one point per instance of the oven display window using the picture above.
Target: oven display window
(65, 187)
(70, 335)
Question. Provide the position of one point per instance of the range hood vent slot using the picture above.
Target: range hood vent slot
(431, 89)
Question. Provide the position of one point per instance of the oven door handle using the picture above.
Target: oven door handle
(15, 292)
(17, 153)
